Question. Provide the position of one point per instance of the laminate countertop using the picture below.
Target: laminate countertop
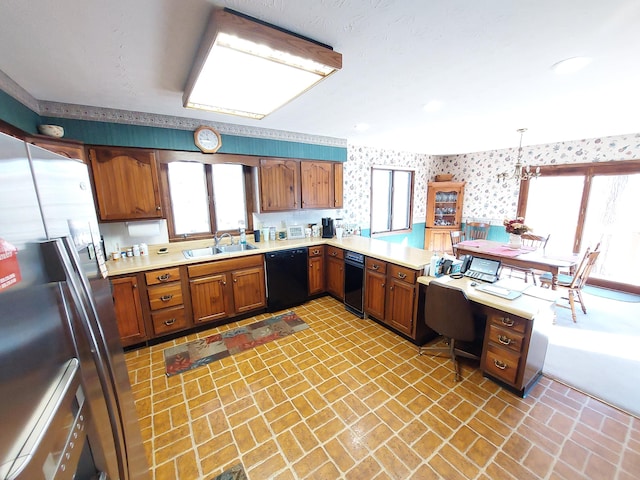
(409, 257)
(534, 302)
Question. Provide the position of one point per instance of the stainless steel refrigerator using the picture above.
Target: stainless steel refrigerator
(67, 408)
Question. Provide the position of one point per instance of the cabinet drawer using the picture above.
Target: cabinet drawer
(509, 322)
(376, 265)
(335, 252)
(506, 338)
(169, 320)
(162, 276)
(402, 273)
(502, 363)
(316, 251)
(164, 296)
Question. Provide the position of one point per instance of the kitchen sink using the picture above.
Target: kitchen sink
(235, 248)
(200, 252)
(211, 251)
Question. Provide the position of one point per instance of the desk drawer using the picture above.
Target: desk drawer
(164, 296)
(169, 320)
(505, 338)
(162, 276)
(502, 364)
(509, 322)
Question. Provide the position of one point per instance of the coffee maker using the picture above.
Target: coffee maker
(327, 227)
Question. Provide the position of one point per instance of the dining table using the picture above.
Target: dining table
(522, 257)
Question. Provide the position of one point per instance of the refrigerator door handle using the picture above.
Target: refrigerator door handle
(67, 265)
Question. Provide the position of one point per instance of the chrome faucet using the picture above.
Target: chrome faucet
(217, 238)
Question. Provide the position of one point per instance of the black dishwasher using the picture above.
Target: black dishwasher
(287, 280)
(353, 281)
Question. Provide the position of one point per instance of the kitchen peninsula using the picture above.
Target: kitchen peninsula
(164, 294)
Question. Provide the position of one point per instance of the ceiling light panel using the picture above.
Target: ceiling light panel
(248, 68)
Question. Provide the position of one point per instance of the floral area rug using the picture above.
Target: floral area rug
(234, 473)
(194, 354)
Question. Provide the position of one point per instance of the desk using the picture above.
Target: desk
(518, 258)
(516, 336)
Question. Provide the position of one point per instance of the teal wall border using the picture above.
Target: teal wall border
(116, 134)
(17, 114)
(123, 135)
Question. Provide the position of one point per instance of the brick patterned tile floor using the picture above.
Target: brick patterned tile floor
(348, 399)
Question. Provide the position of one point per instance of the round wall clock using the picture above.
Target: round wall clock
(207, 139)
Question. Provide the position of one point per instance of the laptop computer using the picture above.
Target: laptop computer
(483, 269)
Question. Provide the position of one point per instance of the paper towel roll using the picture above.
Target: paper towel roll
(143, 229)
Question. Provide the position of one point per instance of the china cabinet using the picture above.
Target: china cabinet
(444, 214)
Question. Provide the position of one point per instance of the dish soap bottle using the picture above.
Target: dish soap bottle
(243, 234)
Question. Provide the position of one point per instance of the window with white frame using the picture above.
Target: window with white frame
(391, 200)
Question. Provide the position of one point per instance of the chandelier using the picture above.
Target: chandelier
(520, 173)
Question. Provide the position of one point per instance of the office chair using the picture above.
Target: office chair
(574, 283)
(448, 312)
(456, 237)
(533, 241)
(477, 230)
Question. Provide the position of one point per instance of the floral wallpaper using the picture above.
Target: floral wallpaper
(485, 198)
(357, 180)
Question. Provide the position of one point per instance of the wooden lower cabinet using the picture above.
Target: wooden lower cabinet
(129, 317)
(316, 269)
(249, 290)
(390, 295)
(211, 297)
(166, 292)
(335, 272)
(375, 287)
(224, 288)
(514, 350)
(438, 240)
(401, 299)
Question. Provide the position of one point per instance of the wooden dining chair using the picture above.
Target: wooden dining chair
(477, 230)
(456, 237)
(536, 242)
(574, 283)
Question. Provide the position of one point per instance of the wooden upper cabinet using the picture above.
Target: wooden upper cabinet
(126, 183)
(279, 185)
(337, 185)
(317, 184)
(66, 148)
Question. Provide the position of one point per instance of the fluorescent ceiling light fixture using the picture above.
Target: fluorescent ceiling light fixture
(433, 106)
(571, 65)
(250, 68)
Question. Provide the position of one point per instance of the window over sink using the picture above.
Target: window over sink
(205, 198)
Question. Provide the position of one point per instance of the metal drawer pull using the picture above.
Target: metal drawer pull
(166, 298)
(316, 252)
(375, 267)
(507, 322)
(402, 275)
(170, 322)
(503, 339)
(164, 278)
(500, 365)
(333, 254)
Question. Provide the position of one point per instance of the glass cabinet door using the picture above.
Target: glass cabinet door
(446, 208)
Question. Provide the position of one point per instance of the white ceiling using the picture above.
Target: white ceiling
(487, 61)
